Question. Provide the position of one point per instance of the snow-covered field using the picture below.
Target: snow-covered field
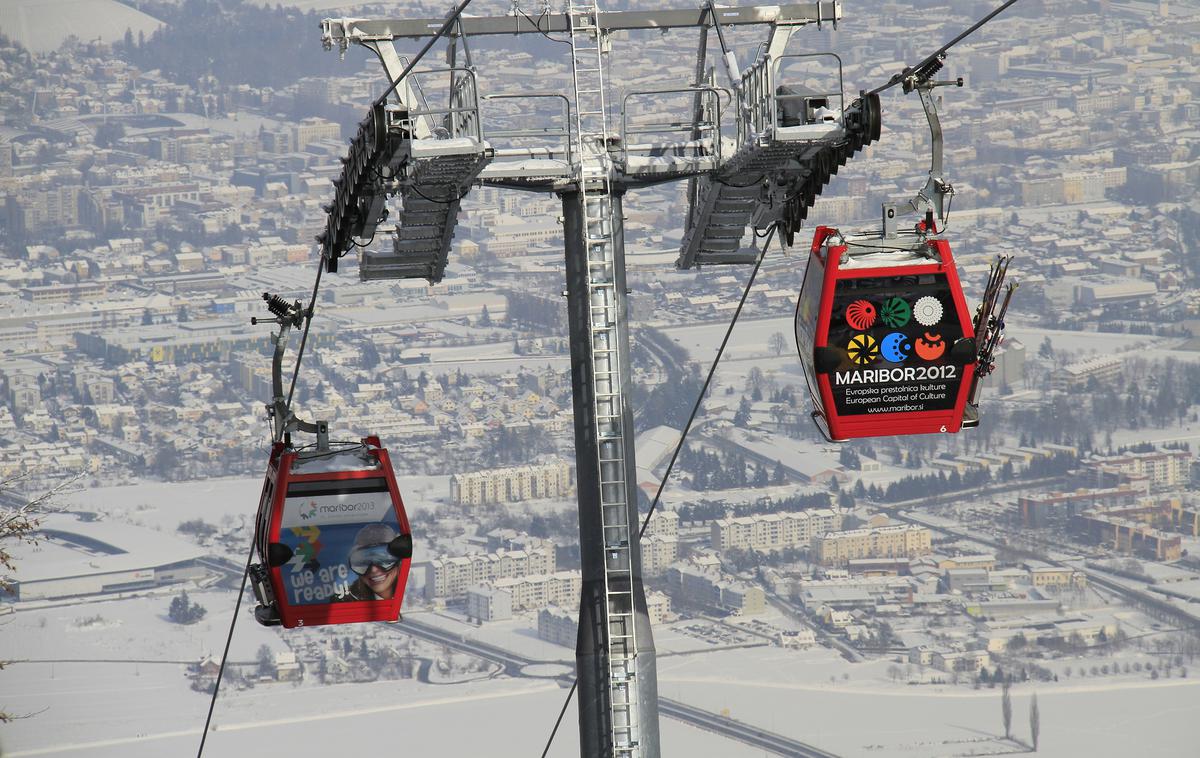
(778, 691)
(42, 25)
(164, 505)
(107, 678)
(135, 710)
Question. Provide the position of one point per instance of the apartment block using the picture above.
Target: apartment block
(451, 577)
(663, 524)
(1162, 469)
(1077, 375)
(704, 588)
(658, 552)
(486, 603)
(538, 591)
(774, 531)
(838, 548)
(1042, 510)
(560, 626)
(511, 485)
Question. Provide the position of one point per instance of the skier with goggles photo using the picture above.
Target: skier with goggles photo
(372, 559)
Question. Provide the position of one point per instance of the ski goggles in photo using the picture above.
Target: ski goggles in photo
(361, 559)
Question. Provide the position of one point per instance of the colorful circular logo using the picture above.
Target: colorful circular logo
(895, 347)
(862, 349)
(895, 312)
(930, 347)
(928, 311)
(860, 314)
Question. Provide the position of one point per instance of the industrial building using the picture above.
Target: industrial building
(77, 555)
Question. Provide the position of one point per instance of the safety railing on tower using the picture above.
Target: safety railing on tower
(531, 135)
(653, 142)
(457, 117)
(771, 98)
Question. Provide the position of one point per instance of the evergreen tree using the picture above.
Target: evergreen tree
(183, 611)
(266, 662)
(741, 419)
(779, 476)
(370, 355)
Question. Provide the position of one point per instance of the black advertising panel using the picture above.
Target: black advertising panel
(895, 335)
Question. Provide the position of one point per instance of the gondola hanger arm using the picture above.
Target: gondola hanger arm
(286, 316)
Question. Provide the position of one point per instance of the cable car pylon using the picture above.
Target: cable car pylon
(615, 606)
(786, 148)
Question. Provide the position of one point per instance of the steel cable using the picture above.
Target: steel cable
(930, 64)
(212, 703)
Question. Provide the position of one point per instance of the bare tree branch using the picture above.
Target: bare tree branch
(6, 718)
(18, 525)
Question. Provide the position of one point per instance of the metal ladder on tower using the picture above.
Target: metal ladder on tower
(595, 192)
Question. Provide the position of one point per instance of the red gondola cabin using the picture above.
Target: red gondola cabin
(885, 338)
(332, 536)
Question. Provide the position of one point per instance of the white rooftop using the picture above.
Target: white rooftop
(68, 546)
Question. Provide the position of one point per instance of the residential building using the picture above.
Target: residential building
(837, 548)
(538, 591)
(452, 577)
(1163, 469)
(1042, 510)
(509, 485)
(486, 603)
(1129, 536)
(774, 531)
(960, 661)
(706, 588)
(1075, 376)
(560, 626)
(658, 552)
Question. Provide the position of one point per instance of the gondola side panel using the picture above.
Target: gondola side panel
(401, 514)
(808, 309)
(832, 264)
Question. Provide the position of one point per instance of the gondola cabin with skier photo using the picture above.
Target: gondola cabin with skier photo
(885, 338)
(333, 537)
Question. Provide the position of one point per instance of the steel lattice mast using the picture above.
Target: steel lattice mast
(428, 157)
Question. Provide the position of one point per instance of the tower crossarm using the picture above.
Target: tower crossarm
(345, 31)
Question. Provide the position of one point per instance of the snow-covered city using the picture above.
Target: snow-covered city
(785, 556)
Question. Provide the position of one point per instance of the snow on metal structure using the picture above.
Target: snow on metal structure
(786, 145)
